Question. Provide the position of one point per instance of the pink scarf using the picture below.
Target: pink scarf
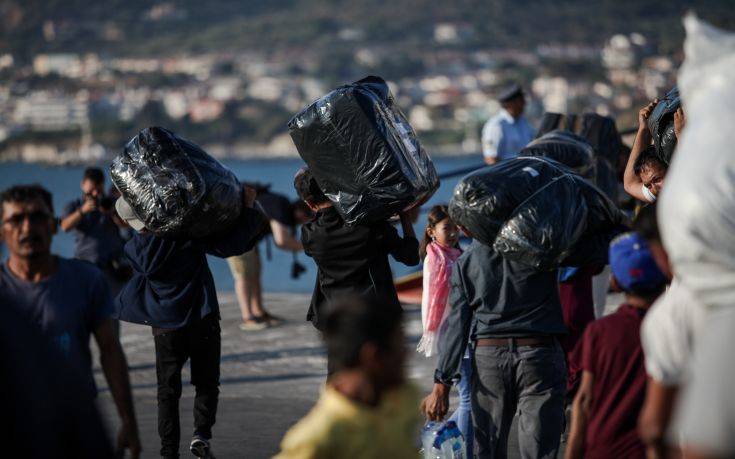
(438, 266)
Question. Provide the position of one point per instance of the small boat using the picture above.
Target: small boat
(410, 287)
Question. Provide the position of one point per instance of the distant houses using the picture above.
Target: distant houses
(77, 107)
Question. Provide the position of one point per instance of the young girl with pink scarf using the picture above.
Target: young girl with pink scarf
(440, 249)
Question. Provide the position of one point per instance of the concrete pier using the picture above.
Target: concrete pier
(269, 379)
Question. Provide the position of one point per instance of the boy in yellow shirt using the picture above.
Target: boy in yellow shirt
(367, 410)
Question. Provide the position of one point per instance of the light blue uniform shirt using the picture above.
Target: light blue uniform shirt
(503, 136)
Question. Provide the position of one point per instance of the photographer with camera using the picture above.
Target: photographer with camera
(96, 229)
(283, 216)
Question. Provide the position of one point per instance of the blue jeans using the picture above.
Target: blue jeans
(524, 379)
(463, 415)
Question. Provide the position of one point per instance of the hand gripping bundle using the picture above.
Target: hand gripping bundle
(174, 187)
(362, 152)
(532, 210)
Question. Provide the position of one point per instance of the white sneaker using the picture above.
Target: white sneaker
(200, 448)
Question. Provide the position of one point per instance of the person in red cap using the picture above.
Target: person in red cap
(613, 387)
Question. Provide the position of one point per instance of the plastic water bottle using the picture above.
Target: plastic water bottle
(442, 446)
(447, 444)
(428, 436)
(458, 446)
(442, 441)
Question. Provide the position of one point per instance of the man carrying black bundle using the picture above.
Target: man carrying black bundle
(645, 172)
(350, 259)
(519, 364)
(173, 291)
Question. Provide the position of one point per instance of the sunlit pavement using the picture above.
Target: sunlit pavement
(269, 379)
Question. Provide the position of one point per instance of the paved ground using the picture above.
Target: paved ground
(270, 379)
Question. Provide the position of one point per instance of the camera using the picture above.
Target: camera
(101, 202)
(105, 202)
(297, 269)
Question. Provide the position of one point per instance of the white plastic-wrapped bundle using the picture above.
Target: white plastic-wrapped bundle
(697, 205)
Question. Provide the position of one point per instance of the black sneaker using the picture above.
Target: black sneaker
(200, 447)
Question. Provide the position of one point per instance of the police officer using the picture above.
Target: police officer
(506, 133)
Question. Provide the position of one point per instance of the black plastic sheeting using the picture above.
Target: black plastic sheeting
(362, 152)
(602, 134)
(532, 210)
(567, 148)
(174, 187)
(661, 125)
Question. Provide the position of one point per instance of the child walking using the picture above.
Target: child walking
(613, 387)
(440, 249)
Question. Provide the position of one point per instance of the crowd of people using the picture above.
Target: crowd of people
(518, 342)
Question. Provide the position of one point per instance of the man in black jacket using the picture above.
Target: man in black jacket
(173, 291)
(350, 259)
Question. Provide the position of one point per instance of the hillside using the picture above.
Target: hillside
(138, 27)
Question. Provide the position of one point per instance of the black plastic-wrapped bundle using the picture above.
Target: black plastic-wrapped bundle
(661, 125)
(174, 187)
(567, 148)
(602, 133)
(531, 209)
(544, 228)
(362, 152)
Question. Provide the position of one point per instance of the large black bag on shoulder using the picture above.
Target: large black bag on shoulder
(362, 152)
(567, 148)
(531, 209)
(174, 187)
(661, 125)
(601, 133)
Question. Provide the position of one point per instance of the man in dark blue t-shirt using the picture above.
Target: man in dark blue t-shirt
(57, 417)
(67, 299)
(96, 229)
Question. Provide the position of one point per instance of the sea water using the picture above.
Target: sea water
(63, 183)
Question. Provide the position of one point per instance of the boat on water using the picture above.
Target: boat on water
(410, 287)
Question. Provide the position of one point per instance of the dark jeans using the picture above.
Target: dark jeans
(530, 380)
(200, 342)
